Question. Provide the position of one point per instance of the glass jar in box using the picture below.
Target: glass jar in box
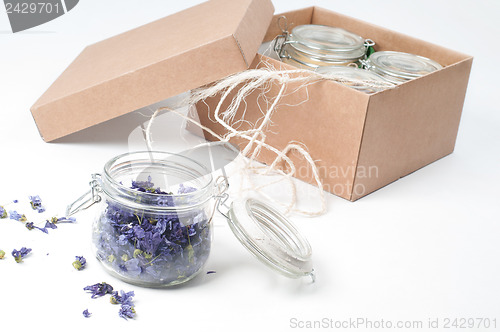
(154, 221)
(399, 67)
(310, 46)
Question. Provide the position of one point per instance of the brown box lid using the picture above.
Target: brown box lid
(153, 62)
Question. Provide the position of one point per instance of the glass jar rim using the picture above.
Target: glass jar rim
(406, 66)
(116, 190)
(327, 42)
(326, 38)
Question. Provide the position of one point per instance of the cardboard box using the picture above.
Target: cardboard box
(363, 142)
(153, 62)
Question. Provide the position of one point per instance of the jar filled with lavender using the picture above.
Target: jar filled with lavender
(153, 227)
(154, 220)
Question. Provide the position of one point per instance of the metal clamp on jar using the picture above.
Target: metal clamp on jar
(311, 46)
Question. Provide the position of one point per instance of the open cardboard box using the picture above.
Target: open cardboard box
(362, 142)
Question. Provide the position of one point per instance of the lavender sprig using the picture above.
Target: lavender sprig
(31, 225)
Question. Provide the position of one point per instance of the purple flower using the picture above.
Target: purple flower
(132, 267)
(48, 224)
(36, 203)
(164, 201)
(79, 263)
(3, 213)
(31, 225)
(185, 190)
(126, 311)
(56, 220)
(139, 232)
(99, 289)
(16, 216)
(86, 313)
(143, 185)
(122, 298)
(20, 254)
(15, 201)
(151, 242)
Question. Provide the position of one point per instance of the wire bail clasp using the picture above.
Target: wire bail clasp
(222, 184)
(88, 199)
(281, 40)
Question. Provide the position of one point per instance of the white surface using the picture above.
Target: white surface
(425, 247)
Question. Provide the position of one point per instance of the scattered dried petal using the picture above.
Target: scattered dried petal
(48, 224)
(122, 298)
(36, 203)
(20, 254)
(17, 216)
(99, 289)
(79, 263)
(86, 313)
(3, 213)
(126, 311)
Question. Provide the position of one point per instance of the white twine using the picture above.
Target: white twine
(245, 83)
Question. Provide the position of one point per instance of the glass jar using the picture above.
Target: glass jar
(399, 67)
(356, 78)
(310, 46)
(153, 225)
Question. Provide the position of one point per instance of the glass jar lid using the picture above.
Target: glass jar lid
(359, 79)
(401, 66)
(270, 237)
(327, 42)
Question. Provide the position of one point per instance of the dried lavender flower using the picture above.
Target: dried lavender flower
(31, 225)
(126, 311)
(3, 212)
(36, 203)
(20, 254)
(79, 263)
(86, 313)
(48, 224)
(99, 289)
(17, 216)
(55, 220)
(124, 298)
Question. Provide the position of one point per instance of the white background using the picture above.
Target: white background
(425, 247)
